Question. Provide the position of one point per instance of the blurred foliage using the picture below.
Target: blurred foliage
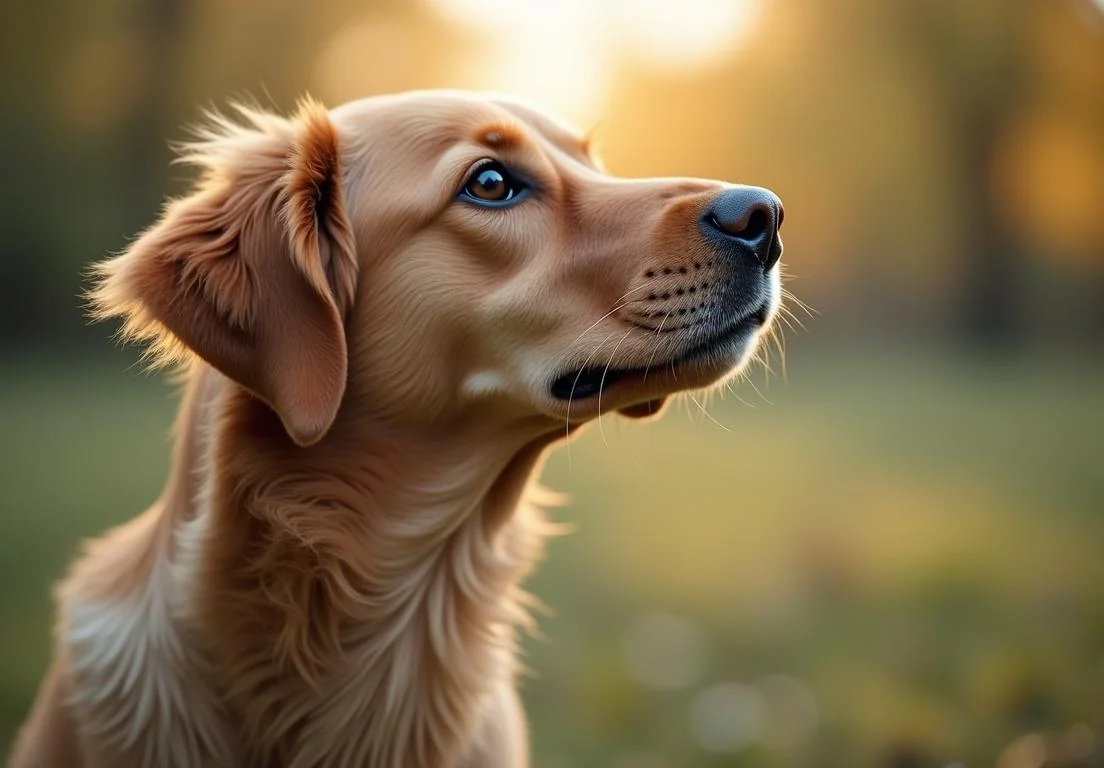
(895, 562)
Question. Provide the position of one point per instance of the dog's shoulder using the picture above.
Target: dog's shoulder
(139, 682)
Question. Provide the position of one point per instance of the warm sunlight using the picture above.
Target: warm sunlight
(564, 55)
(683, 34)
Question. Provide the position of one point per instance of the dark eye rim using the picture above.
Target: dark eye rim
(521, 188)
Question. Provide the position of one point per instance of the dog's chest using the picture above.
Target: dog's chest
(142, 687)
(411, 687)
(395, 696)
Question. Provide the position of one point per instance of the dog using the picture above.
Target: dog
(384, 315)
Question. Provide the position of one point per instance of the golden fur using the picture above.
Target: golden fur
(331, 575)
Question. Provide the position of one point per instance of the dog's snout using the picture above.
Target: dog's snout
(750, 216)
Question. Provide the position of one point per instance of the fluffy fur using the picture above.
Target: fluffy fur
(331, 574)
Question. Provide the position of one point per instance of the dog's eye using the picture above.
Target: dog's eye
(492, 183)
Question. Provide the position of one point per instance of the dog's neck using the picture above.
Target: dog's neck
(387, 557)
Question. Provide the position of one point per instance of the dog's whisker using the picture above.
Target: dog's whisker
(617, 305)
(602, 382)
(728, 386)
(571, 397)
(707, 413)
(792, 297)
(751, 383)
(810, 311)
(785, 310)
(657, 345)
(791, 319)
(762, 356)
(674, 378)
(640, 287)
(778, 337)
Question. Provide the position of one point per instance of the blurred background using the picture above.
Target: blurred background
(887, 551)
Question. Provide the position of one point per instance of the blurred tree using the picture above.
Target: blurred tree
(160, 26)
(977, 54)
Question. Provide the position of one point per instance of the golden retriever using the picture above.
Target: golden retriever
(385, 314)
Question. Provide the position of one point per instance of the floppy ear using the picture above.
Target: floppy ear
(254, 271)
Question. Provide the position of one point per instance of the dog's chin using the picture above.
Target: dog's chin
(640, 392)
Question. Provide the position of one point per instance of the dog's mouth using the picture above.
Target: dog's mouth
(583, 383)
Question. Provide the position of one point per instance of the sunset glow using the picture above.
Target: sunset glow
(564, 55)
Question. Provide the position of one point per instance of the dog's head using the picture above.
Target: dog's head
(426, 255)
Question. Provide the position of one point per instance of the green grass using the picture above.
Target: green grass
(911, 541)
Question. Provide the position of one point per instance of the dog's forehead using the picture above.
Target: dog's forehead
(452, 116)
(549, 127)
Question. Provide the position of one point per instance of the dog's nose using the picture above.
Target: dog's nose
(751, 217)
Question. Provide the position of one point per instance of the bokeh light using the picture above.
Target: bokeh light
(790, 714)
(565, 54)
(1028, 751)
(726, 717)
(640, 760)
(681, 35)
(664, 652)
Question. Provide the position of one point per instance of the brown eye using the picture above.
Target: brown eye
(489, 185)
(492, 183)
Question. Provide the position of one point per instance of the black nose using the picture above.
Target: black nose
(751, 217)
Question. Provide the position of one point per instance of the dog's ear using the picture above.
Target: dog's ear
(255, 271)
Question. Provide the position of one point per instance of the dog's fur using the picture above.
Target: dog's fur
(331, 575)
